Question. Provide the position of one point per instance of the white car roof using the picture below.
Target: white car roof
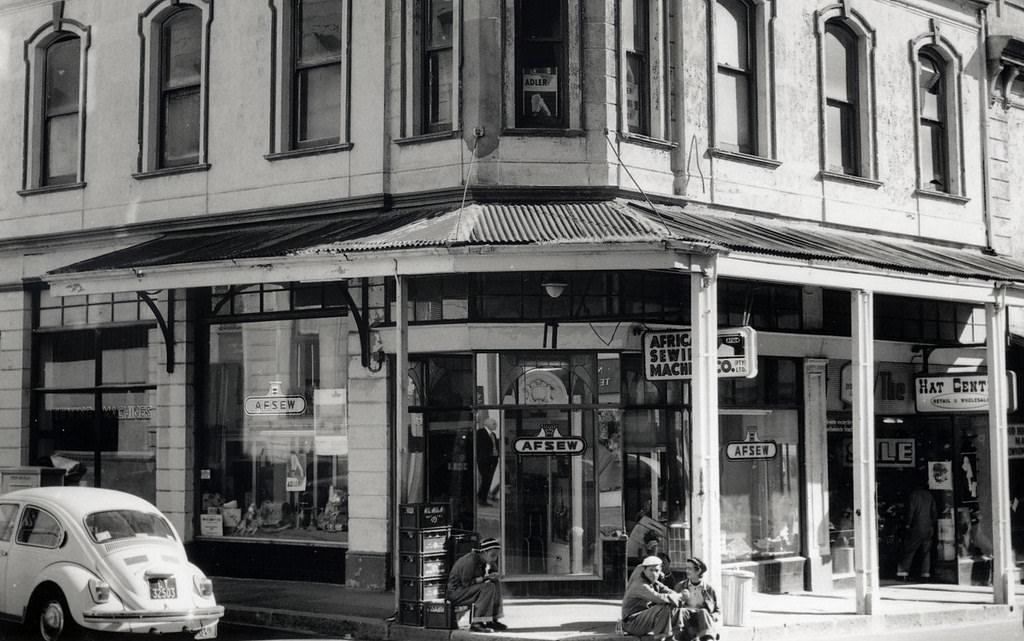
(80, 501)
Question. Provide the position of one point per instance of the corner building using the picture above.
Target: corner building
(577, 269)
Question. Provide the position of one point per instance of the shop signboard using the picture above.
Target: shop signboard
(751, 449)
(273, 403)
(549, 442)
(1015, 436)
(949, 393)
(668, 354)
(889, 452)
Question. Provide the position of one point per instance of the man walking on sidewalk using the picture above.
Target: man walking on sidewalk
(474, 581)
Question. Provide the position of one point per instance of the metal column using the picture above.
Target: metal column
(1004, 570)
(401, 374)
(865, 556)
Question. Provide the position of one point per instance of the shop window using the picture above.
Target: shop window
(174, 80)
(269, 298)
(938, 157)
(644, 87)
(432, 90)
(918, 319)
(94, 406)
(546, 37)
(55, 120)
(762, 306)
(278, 470)
(91, 309)
(434, 298)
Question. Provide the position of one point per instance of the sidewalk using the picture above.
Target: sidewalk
(342, 612)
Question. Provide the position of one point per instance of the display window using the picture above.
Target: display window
(273, 452)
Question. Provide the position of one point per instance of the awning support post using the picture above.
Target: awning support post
(706, 529)
(865, 519)
(1004, 569)
(359, 314)
(401, 419)
(166, 325)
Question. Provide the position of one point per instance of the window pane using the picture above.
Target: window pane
(640, 24)
(840, 141)
(636, 93)
(180, 144)
(933, 174)
(61, 149)
(128, 445)
(320, 24)
(62, 76)
(67, 428)
(732, 111)
(838, 58)
(931, 89)
(439, 24)
(68, 359)
(439, 87)
(182, 46)
(319, 103)
(541, 18)
(125, 355)
(731, 34)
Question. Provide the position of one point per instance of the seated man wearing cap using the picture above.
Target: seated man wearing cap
(474, 581)
(700, 610)
(649, 607)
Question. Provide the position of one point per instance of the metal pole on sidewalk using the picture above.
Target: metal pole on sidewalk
(1004, 569)
(401, 422)
(865, 550)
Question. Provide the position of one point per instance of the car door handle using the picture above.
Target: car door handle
(3, 552)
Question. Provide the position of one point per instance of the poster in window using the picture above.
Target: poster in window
(940, 476)
(540, 92)
(330, 421)
(295, 481)
(634, 101)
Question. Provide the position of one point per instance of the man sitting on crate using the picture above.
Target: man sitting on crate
(649, 607)
(474, 581)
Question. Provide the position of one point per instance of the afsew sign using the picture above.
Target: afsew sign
(548, 442)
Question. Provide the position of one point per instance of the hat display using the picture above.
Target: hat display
(488, 544)
(651, 560)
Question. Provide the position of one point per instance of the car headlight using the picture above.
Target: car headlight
(203, 585)
(99, 590)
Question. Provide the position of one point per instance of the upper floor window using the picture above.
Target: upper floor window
(175, 71)
(436, 71)
(643, 63)
(55, 120)
(735, 97)
(842, 108)
(310, 106)
(181, 61)
(938, 166)
(545, 46)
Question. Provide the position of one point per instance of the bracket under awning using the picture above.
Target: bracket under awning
(166, 324)
(359, 315)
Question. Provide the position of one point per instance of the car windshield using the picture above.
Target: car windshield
(112, 525)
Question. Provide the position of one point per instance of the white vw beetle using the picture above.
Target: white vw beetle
(82, 558)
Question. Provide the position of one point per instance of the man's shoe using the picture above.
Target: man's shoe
(497, 626)
(479, 627)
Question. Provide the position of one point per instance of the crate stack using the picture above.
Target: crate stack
(424, 561)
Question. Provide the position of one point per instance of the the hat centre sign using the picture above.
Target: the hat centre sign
(959, 392)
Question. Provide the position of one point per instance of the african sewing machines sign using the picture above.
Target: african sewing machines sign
(959, 393)
(274, 403)
(668, 354)
(549, 442)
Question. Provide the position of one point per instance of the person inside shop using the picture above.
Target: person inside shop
(652, 543)
(650, 607)
(700, 609)
(474, 581)
(919, 528)
(487, 455)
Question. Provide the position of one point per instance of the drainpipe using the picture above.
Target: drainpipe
(986, 191)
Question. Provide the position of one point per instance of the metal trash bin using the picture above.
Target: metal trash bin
(736, 588)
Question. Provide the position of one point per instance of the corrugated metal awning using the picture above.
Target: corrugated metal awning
(599, 226)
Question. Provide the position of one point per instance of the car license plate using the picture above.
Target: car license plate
(207, 632)
(163, 588)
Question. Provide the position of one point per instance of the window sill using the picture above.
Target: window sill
(50, 189)
(171, 171)
(750, 159)
(553, 132)
(428, 137)
(646, 141)
(308, 151)
(941, 195)
(847, 178)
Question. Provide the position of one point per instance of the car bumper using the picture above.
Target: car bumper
(153, 620)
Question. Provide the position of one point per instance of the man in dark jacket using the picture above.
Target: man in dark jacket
(487, 456)
(917, 538)
(474, 581)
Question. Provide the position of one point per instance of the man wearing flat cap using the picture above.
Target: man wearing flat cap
(474, 581)
(650, 607)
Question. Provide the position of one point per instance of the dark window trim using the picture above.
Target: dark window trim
(296, 70)
(50, 189)
(748, 74)
(171, 171)
(561, 42)
(850, 106)
(428, 137)
(427, 55)
(308, 151)
(750, 159)
(45, 180)
(165, 93)
(850, 178)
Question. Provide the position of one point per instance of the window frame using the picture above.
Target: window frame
(35, 152)
(151, 111)
(942, 53)
(416, 98)
(570, 89)
(23, 515)
(862, 81)
(759, 75)
(284, 113)
(653, 59)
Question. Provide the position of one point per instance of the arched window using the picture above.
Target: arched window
(933, 98)
(181, 60)
(735, 96)
(842, 99)
(60, 109)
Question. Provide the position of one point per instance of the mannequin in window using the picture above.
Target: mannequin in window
(487, 455)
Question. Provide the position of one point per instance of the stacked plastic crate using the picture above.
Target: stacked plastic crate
(424, 561)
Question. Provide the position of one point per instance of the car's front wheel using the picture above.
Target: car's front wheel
(49, 618)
